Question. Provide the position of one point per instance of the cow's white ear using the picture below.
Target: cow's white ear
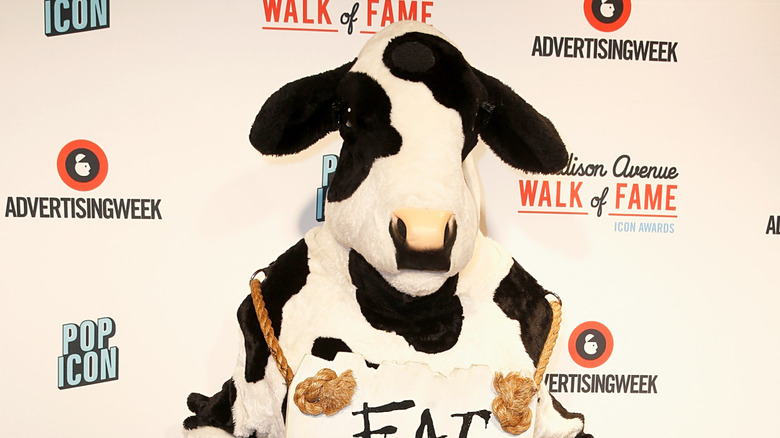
(298, 114)
(517, 133)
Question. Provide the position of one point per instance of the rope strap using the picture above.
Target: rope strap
(515, 392)
(268, 332)
(325, 392)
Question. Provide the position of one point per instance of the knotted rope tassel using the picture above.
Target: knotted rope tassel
(515, 392)
(511, 406)
(325, 392)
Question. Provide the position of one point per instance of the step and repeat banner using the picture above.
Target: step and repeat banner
(135, 209)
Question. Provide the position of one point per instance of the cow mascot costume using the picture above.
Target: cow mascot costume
(399, 271)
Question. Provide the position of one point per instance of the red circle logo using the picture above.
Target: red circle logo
(590, 344)
(607, 15)
(82, 165)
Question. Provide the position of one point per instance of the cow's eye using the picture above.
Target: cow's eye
(347, 117)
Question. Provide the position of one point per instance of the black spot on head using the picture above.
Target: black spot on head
(364, 124)
(412, 57)
(443, 69)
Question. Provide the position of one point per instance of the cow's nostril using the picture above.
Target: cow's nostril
(450, 231)
(400, 229)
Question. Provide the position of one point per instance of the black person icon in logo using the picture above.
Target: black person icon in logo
(82, 165)
(607, 15)
(590, 345)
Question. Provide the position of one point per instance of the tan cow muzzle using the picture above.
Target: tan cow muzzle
(423, 229)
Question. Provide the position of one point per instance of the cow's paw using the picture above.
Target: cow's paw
(213, 412)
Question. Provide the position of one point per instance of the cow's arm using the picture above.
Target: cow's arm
(522, 299)
(251, 402)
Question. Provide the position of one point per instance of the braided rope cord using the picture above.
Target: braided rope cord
(268, 332)
(549, 344)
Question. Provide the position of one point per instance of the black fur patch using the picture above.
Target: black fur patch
(563, 412)
(215, 411)
(521, 298)
(327, 348)
(430, 324)
(284, 278)
(445, 72)
(364, 124)
(284, 407)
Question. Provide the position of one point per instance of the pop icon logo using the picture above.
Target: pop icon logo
(82, 165)
(329, 163)
(70, 16)
(86, 356)
(590, 344)
(607, 15)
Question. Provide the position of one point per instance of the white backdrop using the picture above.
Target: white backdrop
(168, 90)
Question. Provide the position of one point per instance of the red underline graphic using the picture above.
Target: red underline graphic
(644, 215)
(368, 31)
(584, 213)
(300, 29)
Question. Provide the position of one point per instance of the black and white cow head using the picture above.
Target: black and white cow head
(409, 109)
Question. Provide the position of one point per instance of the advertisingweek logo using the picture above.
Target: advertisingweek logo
(83, 166)
(590, 346)
(773, 225)
(86, 356)
(605, 16)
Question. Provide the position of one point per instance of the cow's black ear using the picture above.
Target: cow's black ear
(298, 114)
(516, 132)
